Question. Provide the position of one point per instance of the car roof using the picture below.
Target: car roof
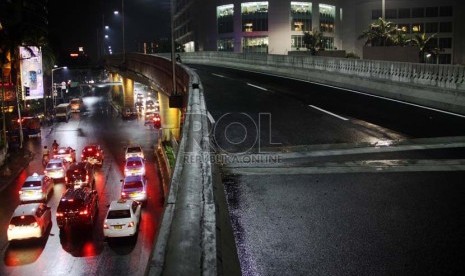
(120, 204)
(75, 193)
(134, 178)
(35, 177)
(26, 209)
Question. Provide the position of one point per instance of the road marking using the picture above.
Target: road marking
(259, 87)
(221, 76)
(210, 117)
(355, 91)
(330, 113)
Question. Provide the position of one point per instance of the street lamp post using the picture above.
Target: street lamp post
(124, 41)
(53, 85)
(383, 9)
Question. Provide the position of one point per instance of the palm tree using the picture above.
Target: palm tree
(426, 44)
(313, 41)
(380, 33)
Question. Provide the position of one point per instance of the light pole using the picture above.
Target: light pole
(53, 85)
(383, 9)
(122, 23)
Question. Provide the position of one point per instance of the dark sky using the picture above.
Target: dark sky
(78, 23)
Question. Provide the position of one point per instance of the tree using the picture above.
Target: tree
(313, 41)
(380, 33)
(426, 44)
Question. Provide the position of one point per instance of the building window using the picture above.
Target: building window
(417, 28)
(328, 43)
(301, 16)
(376, 14)
(225, 45)
(444, 59)
(327, 16)
(391, 13)
(445, 11)
(432, 12)
(404, 28)
(258, 44)
(224, 16)
(404, 13)
(445, 27)
(254, 16)
(445, 43)
(297, 42)
(431, 27)
(418, 12)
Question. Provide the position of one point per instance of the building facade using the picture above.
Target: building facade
(277, 26)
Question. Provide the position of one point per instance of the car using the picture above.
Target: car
(134, 151)
(36, 187)
(56, 168)
(134, 166)
(67, 153)
(93, 154)
(134, 187)
(77, 207)
(30, 220)
(80, 174)
(139, 106)
(76, 104)
(129, 113)
(122, 219)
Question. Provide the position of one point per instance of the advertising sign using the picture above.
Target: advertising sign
(32, 81)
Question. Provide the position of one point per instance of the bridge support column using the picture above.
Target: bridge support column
(170, 119)
(128, 92)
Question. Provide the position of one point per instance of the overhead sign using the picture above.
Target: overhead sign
(31, 72)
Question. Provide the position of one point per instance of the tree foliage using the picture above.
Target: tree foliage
(313, 41)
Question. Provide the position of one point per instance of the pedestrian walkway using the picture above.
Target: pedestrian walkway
(15, 163)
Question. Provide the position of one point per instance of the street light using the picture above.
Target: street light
(53, 85)
(122, 22)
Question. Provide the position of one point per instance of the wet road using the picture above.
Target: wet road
(80, 252)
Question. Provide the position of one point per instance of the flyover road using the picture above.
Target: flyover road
(323, 181)
(82, 252)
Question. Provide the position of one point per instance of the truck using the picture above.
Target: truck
(63, 112)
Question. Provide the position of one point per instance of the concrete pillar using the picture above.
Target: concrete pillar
(170, 119)
(128, 90)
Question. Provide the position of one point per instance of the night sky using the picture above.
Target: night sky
(78, 23)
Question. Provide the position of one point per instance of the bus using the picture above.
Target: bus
(63, 112)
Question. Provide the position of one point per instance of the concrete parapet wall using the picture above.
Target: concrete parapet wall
(435, 86)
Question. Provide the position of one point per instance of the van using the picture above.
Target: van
(63, 112)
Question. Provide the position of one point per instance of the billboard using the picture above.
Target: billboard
(32, 77)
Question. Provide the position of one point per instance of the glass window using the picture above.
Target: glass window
(133, 185)
(257, 44)
(297, 42)
(432, 11)
(404, 28)
(376, 14)
(418, 12)
(391, 13)
(225, 20)
(328, 43)
(119, 214)
(327, 16)
(445, 27)
(417, 28)
(301, 16)
(404, 13)
(445, 11)
(23, 220)
(445, 42)
(444, 59)
(254, 16)
(225, 45)
(28, 184)
(431, 27)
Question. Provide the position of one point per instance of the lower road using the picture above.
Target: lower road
(82, 252)
(324, 181)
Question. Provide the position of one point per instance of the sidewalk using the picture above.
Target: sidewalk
(16, 162)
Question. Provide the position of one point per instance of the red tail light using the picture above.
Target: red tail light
(98, 154)
(84, 212)
(87, 177)
(66, 179)
(35, 224)
(11, 226)
(82, 155)
(59, 214)
(131, 224)
(20, 192)
(123, 193)
(105, 226)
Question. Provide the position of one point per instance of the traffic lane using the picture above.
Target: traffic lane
(348, 224)
(402, 118)
(246, 116)
(55, 256)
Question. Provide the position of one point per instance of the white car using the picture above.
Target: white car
(36, 187)
(29, 220)
(134, 166)
(134, 151)
(122, 219)
(56, 168)
(134, 187)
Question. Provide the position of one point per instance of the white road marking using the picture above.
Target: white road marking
(355, 91)
(221, 76)
(210, 117)
(259, 87)
(330, 113)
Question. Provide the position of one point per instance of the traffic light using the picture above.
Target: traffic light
(27, 91)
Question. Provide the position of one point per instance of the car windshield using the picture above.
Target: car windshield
(135, 163)
(54, 165)
(29, 184)
(118, 214)
(134, 149)
(133, 185)
(22, 220)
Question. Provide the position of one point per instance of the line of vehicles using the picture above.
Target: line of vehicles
(78, 206)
